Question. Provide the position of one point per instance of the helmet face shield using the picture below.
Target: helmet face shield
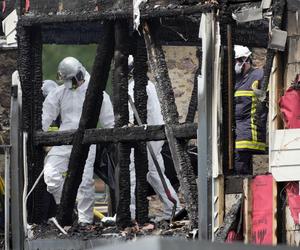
(79, 76)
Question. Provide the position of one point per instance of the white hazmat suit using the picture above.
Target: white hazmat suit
(154, 117)
(68, 103)
(48, 86)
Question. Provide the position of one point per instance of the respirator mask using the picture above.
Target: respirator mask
(239, 66)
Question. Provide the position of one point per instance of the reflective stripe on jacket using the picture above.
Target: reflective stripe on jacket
(250, 134)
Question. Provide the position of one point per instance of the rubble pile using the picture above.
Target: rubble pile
(102, 230)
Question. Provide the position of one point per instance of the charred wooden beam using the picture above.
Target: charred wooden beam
(30, 71)
(39, 210)
(169, 111)
(225, 19)
(252, 34)
(140, 149)
(120, 101)
(194, 98)
(37, 47)
(230, 221)
(24, 68)
(112, 14)
(89, 118)
(125, 134)
(173, 31)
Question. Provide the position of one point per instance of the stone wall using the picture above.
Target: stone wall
(182, 64)
(8, 64)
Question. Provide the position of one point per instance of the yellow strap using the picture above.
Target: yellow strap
(98, 214)
(253, 125)
(244, 93)
(255, 145)
(255, 84)
(53, 129)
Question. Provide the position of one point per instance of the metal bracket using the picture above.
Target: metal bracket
(278, 39)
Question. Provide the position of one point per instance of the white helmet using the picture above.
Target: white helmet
(70, 67)
(48, 85)
(241, 51)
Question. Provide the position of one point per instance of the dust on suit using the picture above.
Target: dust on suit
(68, 103)
(154, 117)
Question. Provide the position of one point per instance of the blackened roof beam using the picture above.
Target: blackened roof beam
(124, 134)
(147, 12)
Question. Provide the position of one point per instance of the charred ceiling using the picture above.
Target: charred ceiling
(172, 31)
(81, 21)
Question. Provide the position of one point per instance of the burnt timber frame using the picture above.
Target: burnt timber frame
(28, 25)
(32, 114)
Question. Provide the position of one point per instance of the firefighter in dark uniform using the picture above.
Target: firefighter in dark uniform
(250, 121)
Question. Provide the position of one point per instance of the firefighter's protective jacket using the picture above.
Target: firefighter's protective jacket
(250, 125)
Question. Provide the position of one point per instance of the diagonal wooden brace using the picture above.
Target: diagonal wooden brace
(89, 118)
(166, 97)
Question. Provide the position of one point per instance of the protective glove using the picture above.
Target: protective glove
(261, 95)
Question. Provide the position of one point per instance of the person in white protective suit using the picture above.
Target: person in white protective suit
(154, 117)
(67, 100)
(48, 86)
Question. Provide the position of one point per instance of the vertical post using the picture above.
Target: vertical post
(140, 149)
(7, 198)
(120, 101)
(30, 71)
(37, 152)
(204, 128)
(247, 210)
(230, 97)
(15, 169)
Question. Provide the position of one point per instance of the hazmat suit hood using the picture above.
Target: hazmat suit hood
(48, 86)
